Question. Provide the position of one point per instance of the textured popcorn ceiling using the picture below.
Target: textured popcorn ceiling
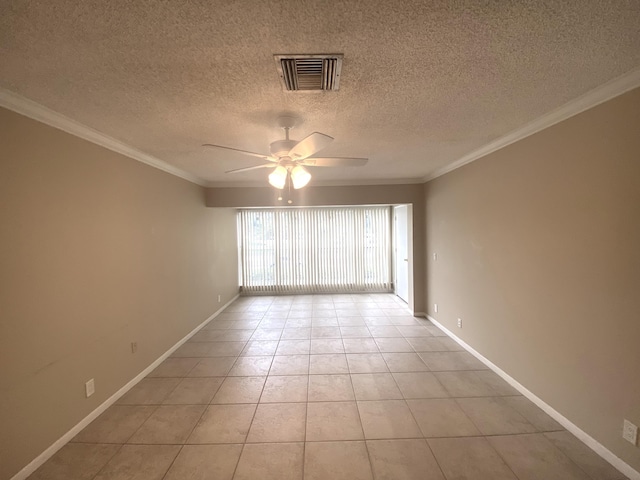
(423, 83)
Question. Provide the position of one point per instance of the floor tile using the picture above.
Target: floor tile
(534, 415)
(239, 390)
(330, 388)
(115, 425)
(205, 462)
(349, 318)
(275, 320)
(383, 331)
(223, 424)
(260, 347)
(435, 331)
(290, 365)
(533, 456)
(354, 332)
(360, 345)
(169, 424)
(299, 319)
(212, 367)
(325, 332)
(497, 384)
(441, 361)
(296, 333)
(493, 417)
(374, 318)
(387, 419)
(326, 345)
(419, 385)
(589, 461)
(293, 347)
(464, 384)
(333, 421)
(174, 367)
(366, 363)
(337, 461)
(149, 391)
(76, 461)
(218, 349)
(251, 366)
(278, 422)
(403, 460)
(235, 336)
(193, 391)
(271, 461)
(282, 389)
(209, 335)
(469, 458)
(328, 363)
(427, 344)
(323, 321)
(404, 362)
(393, 345)
(450, 344)
(375, 386)
(139, 462)
(413, 331)
(441, 418)
(267, 334)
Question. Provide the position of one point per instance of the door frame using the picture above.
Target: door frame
(410, 295)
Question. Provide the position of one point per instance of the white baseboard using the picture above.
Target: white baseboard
(64, 439)
(587, 439)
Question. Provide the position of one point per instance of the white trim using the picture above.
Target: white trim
(64, 439)
(598, 95)
(31, 109)
(587, 439)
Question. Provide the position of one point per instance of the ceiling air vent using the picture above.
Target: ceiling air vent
(309, 73)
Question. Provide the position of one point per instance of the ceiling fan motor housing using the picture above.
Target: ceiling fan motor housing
(281, 148)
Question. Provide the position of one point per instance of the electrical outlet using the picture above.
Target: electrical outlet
(90, 388)
(630, 432)
(134, 347)
(459, 323)
(219, 298)
(435, 307)
(435, 256)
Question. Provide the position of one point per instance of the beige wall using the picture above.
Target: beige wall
(348, 195)
(96, 251)
(539, 253)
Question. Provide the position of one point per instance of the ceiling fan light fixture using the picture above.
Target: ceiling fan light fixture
(299, 176)
(278, 178)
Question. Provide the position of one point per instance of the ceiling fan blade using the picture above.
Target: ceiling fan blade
(264, 165)
(334, 162)
(259, 155)
(309, 145)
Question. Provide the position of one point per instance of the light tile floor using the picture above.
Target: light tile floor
(323, 387)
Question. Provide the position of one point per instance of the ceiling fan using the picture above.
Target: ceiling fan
(289, 157)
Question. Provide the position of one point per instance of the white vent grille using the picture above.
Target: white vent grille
(309, 73)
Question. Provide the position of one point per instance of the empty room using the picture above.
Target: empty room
(319, 240)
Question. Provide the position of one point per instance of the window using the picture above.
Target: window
(295, 250)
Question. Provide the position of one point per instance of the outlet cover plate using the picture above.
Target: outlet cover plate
(630, 432)
(89, 388)
(435, 307)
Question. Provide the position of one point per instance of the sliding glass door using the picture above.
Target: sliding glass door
(313, 250)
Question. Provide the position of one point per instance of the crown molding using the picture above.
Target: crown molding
(29, 108)
(323, 183)
(592, 98)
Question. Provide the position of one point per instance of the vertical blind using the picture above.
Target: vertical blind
(296, 250)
